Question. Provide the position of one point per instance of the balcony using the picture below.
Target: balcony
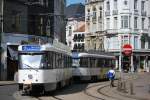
(107, 13)
(87, 19)
(112, 31)
(99, 19)
(143, 13)
(136, 12)
(115, 12)
(94, 20)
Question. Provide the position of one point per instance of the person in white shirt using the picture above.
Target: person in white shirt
(111, 76)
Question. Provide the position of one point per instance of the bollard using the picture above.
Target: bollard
(124, 87)
(119, 85)
(131, 88)
(149, 88)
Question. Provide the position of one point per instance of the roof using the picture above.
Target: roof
(81, 28)
(75, 11)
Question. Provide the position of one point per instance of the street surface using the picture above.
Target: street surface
(7, 91)
(88, 91)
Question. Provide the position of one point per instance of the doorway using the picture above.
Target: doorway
(12, 61)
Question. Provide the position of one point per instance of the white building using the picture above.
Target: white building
(94, 21)
(127, 22)
(75, 33)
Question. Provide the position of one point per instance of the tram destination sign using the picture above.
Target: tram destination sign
(31, 48)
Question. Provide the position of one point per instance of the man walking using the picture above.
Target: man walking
(111, 76)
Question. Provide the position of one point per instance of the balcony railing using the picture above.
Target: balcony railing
(94, 19)
(136, 12)
(107, 13)
(115, 12)
(87, 19)
(99, 19)
(143, 13)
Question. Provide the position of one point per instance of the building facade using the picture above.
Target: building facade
(75, 34)
(111, 24)
(127, 22)
(94, 21)
(32, 21)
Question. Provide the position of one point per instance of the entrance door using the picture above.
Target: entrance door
(126, 63)
(12, 61)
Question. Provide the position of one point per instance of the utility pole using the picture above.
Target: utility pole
(2, 30)
(120, 54)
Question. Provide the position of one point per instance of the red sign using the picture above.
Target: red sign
(127, 49)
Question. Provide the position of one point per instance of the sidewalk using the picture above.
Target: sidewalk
(138, 89)
(2, 83)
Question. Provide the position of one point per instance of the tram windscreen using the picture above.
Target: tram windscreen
(75, 62)
(31, 61)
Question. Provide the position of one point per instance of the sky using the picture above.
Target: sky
(74, 1)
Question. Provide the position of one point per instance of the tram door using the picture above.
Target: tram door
(126, 63)
(12, 61)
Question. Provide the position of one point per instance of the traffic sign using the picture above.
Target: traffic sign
(127, 49)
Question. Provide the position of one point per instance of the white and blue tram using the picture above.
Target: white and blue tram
(44, 67)
(89, 66)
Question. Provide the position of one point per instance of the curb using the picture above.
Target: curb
(7, 84)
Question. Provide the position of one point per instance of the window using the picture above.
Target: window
(70, 31)
(124, 21)
(149, 21)
(108, 5)
(115, 22)
(135, 22)
(50, 60)
(88, 15)
(135, 42)
(135, 4)
(100, 16)
(143, 21)
(92, 62)
(125, 2)
(142, 5)
(83, 62)
(126, 39)
(108, 23)
(115, 5)
(94, 13)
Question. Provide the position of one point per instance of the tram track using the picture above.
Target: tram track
(91, 95)
(97, 88)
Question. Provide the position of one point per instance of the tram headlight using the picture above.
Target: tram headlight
(30, 76)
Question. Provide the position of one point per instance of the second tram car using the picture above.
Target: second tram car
(44, 67)
(88, 66)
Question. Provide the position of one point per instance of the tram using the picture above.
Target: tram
(90, 66)
(44, 67)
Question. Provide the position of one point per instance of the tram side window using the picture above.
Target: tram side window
(50, 60)
(107, 63)
(83, 62)
(60, 61)
(65, 61)
(100, 62)
(54, 62)
(70, 62)
(92, 62)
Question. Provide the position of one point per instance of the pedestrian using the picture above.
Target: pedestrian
(111, 76)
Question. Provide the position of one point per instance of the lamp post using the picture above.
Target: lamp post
(120, 55)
